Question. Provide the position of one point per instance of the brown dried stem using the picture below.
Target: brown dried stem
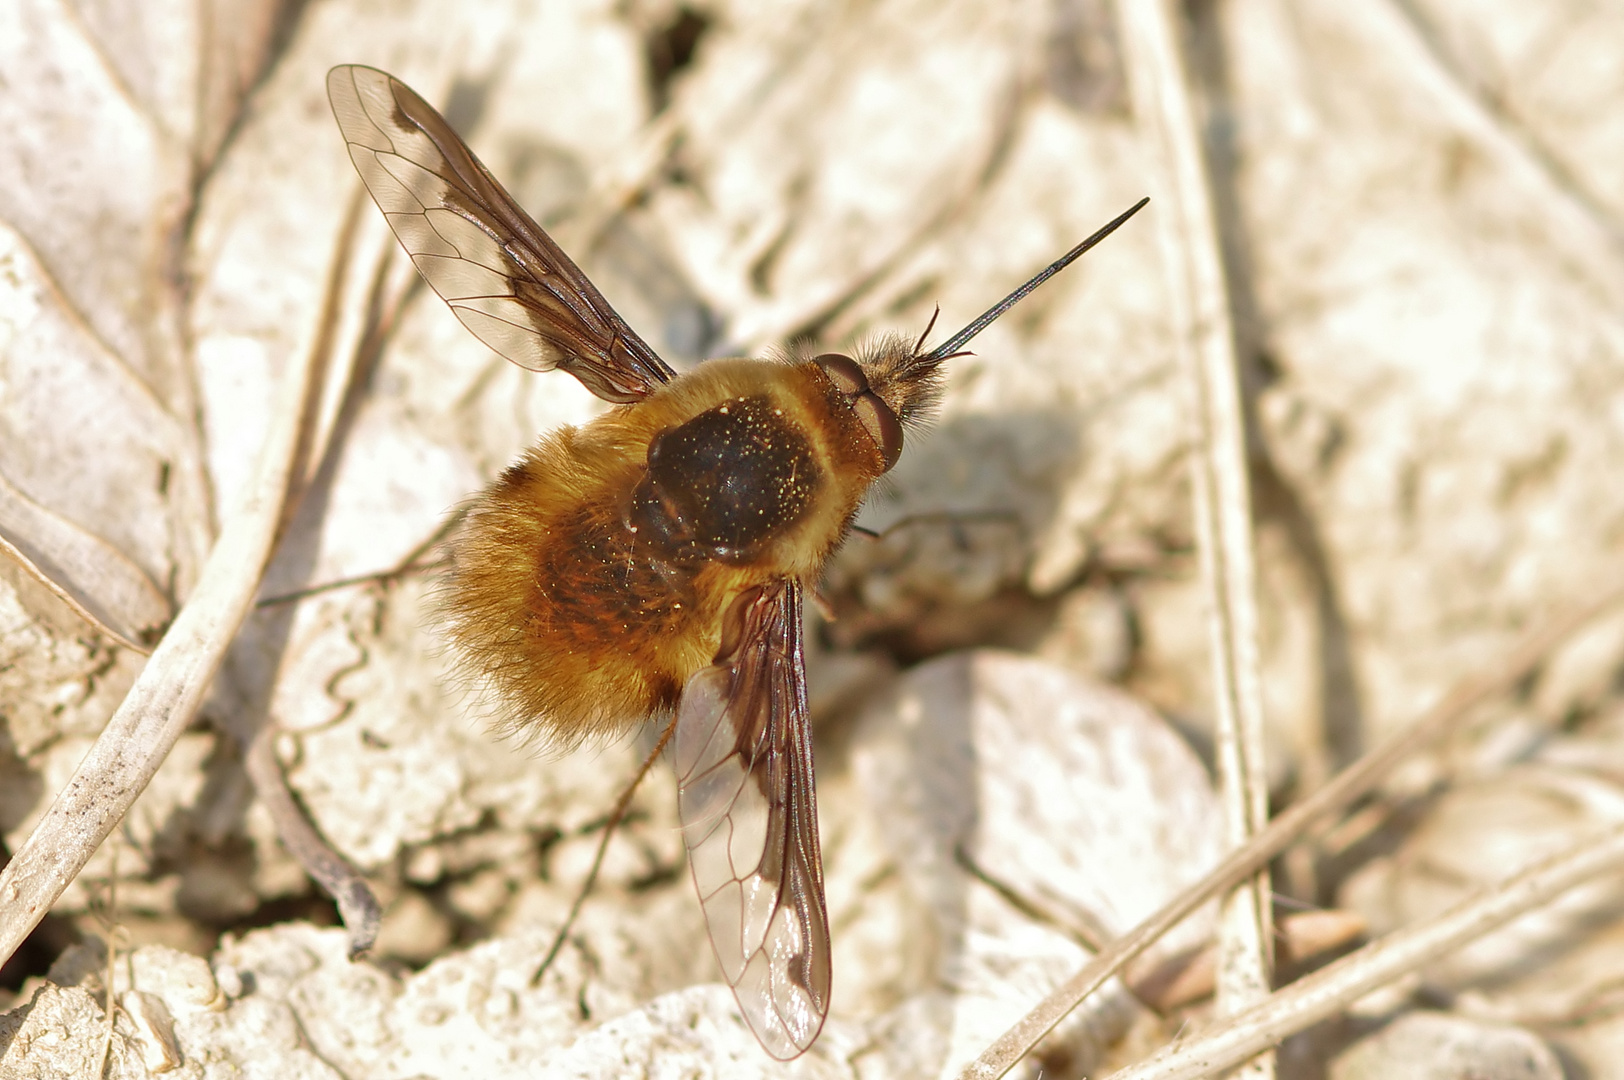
(1341, 791)
(1204, 333)
(1314, 997)
(169, 689)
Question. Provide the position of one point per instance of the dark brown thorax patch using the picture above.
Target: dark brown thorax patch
(726, 482)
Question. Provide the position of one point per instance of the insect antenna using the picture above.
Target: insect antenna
(909, 381)
(954, 346)
(920, 344)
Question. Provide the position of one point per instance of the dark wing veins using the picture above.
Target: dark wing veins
(750, 820)
(501, 273)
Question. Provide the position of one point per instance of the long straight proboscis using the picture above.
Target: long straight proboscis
(953, 344)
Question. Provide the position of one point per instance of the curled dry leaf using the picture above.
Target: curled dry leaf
(108, 590)
(107, 142)
(106, 495)
(88, 452)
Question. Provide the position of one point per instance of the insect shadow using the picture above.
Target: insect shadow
(943, 562)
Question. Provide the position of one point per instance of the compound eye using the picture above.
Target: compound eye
(843, 372)
(881, 423)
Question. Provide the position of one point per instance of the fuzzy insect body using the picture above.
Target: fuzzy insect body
(652, 562)
(592, 580)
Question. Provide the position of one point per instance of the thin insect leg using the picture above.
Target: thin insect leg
(410, 564)
(824, 608)
(603, 846)
(111, 924)
(955, 518)
(383, 577)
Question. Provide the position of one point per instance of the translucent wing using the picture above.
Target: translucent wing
(750, 820)
(502, 275)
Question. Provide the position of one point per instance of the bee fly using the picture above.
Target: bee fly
(651, 563)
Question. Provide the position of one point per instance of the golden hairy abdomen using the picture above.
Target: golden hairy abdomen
(576, 622)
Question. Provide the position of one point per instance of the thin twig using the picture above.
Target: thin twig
(358, 909)
(1346, 786)
(1204, 332)
(165, 696)
(1316, 996)
(603, 846)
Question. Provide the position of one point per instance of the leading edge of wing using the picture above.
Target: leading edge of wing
(502, 275)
